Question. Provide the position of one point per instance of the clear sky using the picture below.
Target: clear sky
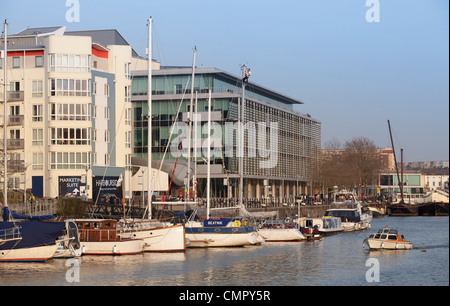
(352, 75)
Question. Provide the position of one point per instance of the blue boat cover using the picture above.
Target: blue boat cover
(7, 213)
(34, 233)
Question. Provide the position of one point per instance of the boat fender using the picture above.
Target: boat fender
(115, 249)
(237, 223)
(382, 245)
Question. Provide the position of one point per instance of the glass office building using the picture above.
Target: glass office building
(281, 145)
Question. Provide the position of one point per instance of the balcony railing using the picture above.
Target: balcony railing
(13, 144)
(13, 96)
(15, 120)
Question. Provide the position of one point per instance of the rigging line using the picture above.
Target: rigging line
(168, 141)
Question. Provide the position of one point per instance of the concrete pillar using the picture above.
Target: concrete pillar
(258, 189)
(249, 189)
(281, 191)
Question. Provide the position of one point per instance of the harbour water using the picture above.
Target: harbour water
(338, 260)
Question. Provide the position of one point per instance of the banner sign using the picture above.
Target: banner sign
(106, 190)
(71, 186)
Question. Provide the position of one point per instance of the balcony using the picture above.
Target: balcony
(13, 144)
(12, 96)
(15, 120)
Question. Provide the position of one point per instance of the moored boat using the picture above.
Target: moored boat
(220, 232)
(100, 237)
(158, 235)
(29, 241)
(278, 230)
(387, 239)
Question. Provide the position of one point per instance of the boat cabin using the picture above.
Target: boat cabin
(97, 230)
(387, 234)
(346, 215)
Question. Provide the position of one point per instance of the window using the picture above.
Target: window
(69, 160)
(16, 62)
(107, 136)
(127, 93)
(14, 110)
(37, 89)
(70, 87)
(70, 62)
(37, 112)
(38, 161)
(38, 61)
(70, 112)
(128, 116)
(107, 90)
(14, 86)
(107, 159)
(127, 71)
(37, 137)
(107, 113)
(128, 139)
(70, 136)
(94, 88)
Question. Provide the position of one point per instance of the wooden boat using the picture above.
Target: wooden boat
(387, 239)
(100, 237)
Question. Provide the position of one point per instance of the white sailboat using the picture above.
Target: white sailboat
(158, 235)
(219, 232)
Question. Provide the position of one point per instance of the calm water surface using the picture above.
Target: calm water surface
(335, 260)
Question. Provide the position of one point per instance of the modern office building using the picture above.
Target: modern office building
(69, 111)
(281, 145)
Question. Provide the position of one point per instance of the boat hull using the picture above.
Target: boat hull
(33, 254)
(163, 239)
(120, 247)
(220, 237)
(281, 234)
(378, 244)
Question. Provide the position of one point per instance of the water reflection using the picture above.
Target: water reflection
(334, 260)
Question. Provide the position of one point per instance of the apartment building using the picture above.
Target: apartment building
(68, 111)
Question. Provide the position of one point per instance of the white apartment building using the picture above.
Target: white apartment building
(69, 112)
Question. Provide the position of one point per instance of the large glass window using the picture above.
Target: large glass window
(70, 62)
(70, 88)
(70, 136)
(71, 112)
(69, 160)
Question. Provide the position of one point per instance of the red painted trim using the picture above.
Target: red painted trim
(27, 53)
(98, 53)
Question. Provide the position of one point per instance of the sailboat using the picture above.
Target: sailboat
(218, 232)
(158, 235)
(31, 240)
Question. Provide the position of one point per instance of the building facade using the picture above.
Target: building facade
(69, 104)
(281, 146)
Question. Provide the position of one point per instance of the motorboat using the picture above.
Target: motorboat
(100, 237)
(353, 216)
(326, 225)
(387, 239)
(279, 230)
(158, 235)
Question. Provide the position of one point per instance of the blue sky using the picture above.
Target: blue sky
(352, 75)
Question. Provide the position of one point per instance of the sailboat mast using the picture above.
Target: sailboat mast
(5, 145)
(395, 162)
(241, 139)
(149, 118)
(190, 127)
(208, 176)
